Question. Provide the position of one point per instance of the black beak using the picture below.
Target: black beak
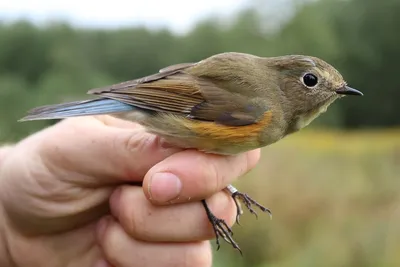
(346, 90)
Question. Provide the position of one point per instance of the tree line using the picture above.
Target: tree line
(54, 63)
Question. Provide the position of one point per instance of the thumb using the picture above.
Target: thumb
(93, 150)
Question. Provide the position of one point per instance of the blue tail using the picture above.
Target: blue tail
(77, 108)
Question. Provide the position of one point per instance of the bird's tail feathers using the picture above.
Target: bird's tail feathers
(77, 108)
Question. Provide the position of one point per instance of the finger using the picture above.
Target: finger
(179, 223)
(121, 250)
(102, 263)
(117, 123)
(192, 175)
(108, 153)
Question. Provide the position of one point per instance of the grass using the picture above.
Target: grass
(335, 198)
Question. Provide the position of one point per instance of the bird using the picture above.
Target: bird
(226, 104)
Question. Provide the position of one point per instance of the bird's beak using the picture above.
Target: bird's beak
(346, 90)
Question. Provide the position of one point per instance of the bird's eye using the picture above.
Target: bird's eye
(310, 80)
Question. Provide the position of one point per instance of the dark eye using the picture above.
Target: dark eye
(310, 80)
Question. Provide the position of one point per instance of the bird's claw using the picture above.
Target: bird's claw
(221, 229)
(248, 202)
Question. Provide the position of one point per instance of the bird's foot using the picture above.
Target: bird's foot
(221, 229)
(248, 202)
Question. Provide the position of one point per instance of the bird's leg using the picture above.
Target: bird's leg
(247, 201)
(221, 229)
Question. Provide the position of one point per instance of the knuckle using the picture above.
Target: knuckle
(111, 241)
(128, 141)
(142, 142)
(135, 141)
(131, 214)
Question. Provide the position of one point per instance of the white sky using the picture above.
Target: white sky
(179, 15)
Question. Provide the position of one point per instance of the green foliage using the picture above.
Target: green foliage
(370, 55)
(334, 198)
(43, 65)
(339, 207)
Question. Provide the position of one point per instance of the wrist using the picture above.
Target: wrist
(4, 151)
(5, 257)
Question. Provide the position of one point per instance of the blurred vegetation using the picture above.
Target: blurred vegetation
(335, 201)
(44, 65)
(333, 194)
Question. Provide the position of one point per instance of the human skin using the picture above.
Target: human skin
(68, 197)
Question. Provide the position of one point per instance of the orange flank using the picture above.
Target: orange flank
(224, 132)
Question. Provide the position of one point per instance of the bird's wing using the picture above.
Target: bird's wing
(176, 91)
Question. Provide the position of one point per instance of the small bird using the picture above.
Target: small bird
(225, 104)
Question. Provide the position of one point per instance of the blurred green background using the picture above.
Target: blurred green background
(333, 188)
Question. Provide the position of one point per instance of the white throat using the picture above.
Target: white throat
(305, 119)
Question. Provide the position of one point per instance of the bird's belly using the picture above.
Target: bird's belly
(223, 147)
(210, 136)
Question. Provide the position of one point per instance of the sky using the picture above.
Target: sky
(179, 15)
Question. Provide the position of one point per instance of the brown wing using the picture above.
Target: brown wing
(170, 90)
(133, 83)
(176, 91)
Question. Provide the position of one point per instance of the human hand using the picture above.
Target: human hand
(59, 186)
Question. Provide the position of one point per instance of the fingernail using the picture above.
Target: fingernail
(164, 187)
